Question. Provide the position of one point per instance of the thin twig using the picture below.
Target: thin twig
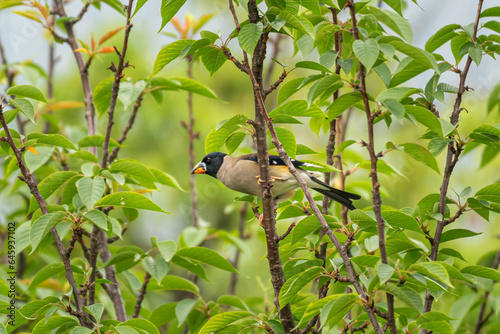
(451, 160)
(116, 86)
(127, 128)
(140, 297)
(287, 232)
(276, 83)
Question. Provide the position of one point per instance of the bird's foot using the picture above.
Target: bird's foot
(261, 218)
(272, 179)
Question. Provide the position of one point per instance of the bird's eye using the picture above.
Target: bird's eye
(209, 159)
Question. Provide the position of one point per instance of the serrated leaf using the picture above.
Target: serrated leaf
(41, 227)
(167, 249)
(84, 155)
(367, 52)
(422, 155)
(384, 272)
(432, 269)
(294, 284)
(287, 139)
(90, 190)
(194, 86)
(457, 234)
(129, 199)
(217, 137)
(98, 218)
(342, 103)
(25, 107)
(335, 310)
(208, 256)
(26, 91)
(212, 58)
(168, 10)
(249, 36)
(223, 320)
(483, 272)
(178, 283)
(168, 53)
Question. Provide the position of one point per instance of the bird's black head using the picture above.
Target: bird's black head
(210, 164)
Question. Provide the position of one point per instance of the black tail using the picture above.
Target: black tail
(343, 197)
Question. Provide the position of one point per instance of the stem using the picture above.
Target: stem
(376, 198)
(127, 128)
(50, 73)
(481, 319)
(140, 298)
(192, 137)
(268, 212)
(451, 160)
(30, 182)
(116, 86)
(84, 74)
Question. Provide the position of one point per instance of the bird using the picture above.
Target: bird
(242, 174)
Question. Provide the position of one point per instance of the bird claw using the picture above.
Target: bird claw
(259, 181)
(261, 218)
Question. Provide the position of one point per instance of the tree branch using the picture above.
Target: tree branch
(140, 297)
(481, 319)
(376, 198)
(33, 187)
(84, 74)
(451, 160)
(127, 128)
(116, 86)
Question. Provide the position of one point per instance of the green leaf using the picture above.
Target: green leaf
(384, 272)
(400, 220)
(157, 267)
(208, 256)
(102, 95)
(53, 139)
(483, 272)
(476, 53)
(287, 138)
(129, 199)
(457, 234)
(169, 53)
(95, 310)
(294, 284)
(54, 322)
(179, 283)
(489, 193)
(165, 179)
(168, 10)
(26, 91)
(312, 65)
(395, 22)
(130, 91)
(367, 52)
(234, 141)
(41, 227)
(183, 308)
(79, 330)
(489, 12)
(438, 327)
(95, 141)
(342, 103)
(249, 36)
(191, 265)
(223, 320)
(442, 36)
(98, 218)
(432, 269)
(194, 86)
(33, 161)
(421, 56)
(396, 108)
(163, 314)
(212, 58)
(403, 295)
(84, 155)
(421, 154)
(217, 137)
(167, 249)
(297, 108)
(335, 310)
(140, 325)
(90, 190)
(298, 23)
(291, 87)
(133, 168)
(51, 183)
(25, 107)
(425, 117)
(309, 225)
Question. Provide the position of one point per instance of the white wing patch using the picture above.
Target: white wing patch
(310, 165)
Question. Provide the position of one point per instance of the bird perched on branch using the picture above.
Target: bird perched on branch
(242, 174)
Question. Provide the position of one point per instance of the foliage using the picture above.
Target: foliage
(376, 268)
